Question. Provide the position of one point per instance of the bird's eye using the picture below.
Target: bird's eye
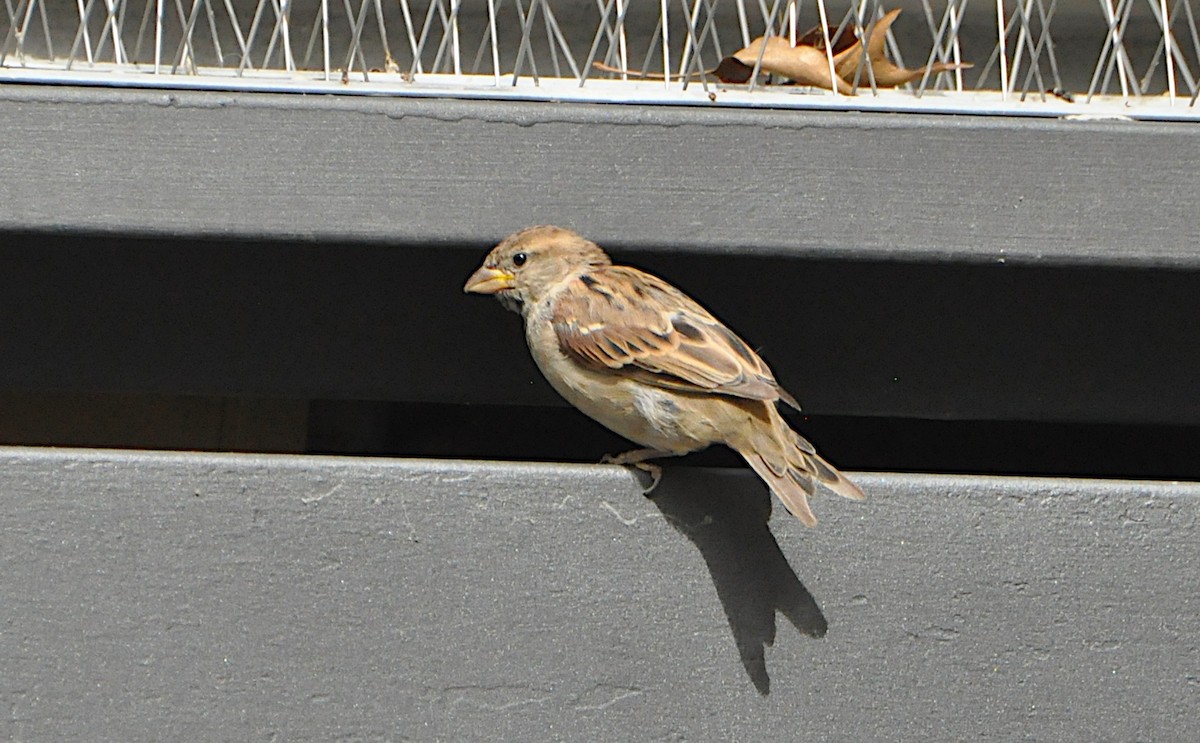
(519, 259)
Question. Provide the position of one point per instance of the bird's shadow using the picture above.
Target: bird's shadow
(725, 515)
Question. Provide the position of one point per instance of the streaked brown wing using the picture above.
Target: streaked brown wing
(623, 319)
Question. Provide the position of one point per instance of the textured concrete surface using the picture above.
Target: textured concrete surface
(148, 596)
(405, 171)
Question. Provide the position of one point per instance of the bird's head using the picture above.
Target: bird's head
(528, 264)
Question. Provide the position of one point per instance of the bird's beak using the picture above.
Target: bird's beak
(488, 280)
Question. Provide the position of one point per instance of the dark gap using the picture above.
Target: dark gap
(854, 443)
(126, 341)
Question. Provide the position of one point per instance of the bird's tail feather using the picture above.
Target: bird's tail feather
(789, 488)
(790, 466)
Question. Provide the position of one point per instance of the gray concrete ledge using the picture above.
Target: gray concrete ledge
(152, 596)
(441, 172)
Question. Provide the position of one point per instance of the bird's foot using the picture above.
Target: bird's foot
(637, 458)
(655, 472)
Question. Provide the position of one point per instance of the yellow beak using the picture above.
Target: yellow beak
(488, 280)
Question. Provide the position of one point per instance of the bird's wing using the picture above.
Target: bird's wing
(630, 322)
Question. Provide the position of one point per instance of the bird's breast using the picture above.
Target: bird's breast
(638, 411)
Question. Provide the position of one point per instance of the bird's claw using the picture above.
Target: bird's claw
(628, 459)
(655, 472)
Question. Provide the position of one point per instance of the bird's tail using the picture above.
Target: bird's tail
(789, 465)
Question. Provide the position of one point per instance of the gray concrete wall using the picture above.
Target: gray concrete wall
(156, 596)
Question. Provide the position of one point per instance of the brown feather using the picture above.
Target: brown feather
(789, 491)
(789, 465)
(625, 320)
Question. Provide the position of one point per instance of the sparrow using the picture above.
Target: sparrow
(648, 362)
